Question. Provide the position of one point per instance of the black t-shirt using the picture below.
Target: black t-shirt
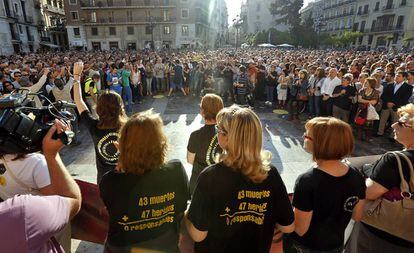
(332, 200)
(146, 208)
(385, 173)
(272, 81)
(103, 139)
(239, 215)
(178, 74)
(204, 144)
(343, 101)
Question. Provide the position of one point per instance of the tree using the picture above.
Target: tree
(287, 11)
(347, 38)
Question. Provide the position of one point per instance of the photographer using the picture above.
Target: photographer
(29, 222)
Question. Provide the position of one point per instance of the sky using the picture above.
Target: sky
(233, 8)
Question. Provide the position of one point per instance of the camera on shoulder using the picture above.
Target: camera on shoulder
(23, 125)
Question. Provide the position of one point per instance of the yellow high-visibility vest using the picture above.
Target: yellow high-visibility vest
(87, 84)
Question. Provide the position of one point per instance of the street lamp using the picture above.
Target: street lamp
(151, 26)
(237, 23)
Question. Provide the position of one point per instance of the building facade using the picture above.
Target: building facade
(19, 26)
(258, 16)
(52, 25)
(338, 16)
(383, 23)
(137, 24)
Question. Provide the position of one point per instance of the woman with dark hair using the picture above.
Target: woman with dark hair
(104, 131)
(147, 196)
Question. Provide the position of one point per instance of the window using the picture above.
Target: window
(403, 2)
(94, 31)
(362, 26)
(16, 8)
(74, 15)
(110, 2)
(128, 2)
(166, 2)
(348, 23)
(20, 29)
(377, 6)
(130, 30)
(184, 13)
(400, 22)
(73, 2)
(113, 45)
(370, 38)
(93, 16)
(148, 30)
(165, 15)
(366, 9)
(341, 24)
(147, 14)
(167, 30)
(360, 39)
(258, 17)
(184, 30)
(129, 16)
(76, 31)
(112, 30)
(258, 7)
(111, 16)
(199, 30)
(147, 2)
(395, 38)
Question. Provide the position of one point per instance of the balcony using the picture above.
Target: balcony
(351, 13)
(129, 20)
(15, 36)
(385, 29)
(54, 9)
(363, 13)
(338, 4)
(388, 7)
(28, 19)
(45, 39)
(128, 4)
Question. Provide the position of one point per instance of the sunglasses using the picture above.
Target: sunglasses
(219, 130)
(403, 124)
(307, 137)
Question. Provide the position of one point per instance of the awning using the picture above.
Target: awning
(49, 45)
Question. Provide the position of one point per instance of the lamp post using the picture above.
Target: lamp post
(237, 24)
(151, 26)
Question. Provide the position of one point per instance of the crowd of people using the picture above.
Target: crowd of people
(237, 197)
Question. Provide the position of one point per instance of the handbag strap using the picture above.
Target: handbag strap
(404, 185)
(18, 181)
(410, 165)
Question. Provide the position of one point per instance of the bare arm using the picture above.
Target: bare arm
(77, 93)
(61, 181)
(190, 157)
(195, 234)
(302, 221)
(374, 190)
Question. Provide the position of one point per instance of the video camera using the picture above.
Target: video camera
(23, 126)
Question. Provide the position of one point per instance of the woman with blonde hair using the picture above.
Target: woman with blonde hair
(329, 194)
(104, 130)
(240, 201)
(385, 182)
(146, 196)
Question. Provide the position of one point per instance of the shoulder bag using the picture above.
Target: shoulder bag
(394, 217)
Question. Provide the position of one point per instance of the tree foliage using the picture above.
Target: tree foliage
(287, 11)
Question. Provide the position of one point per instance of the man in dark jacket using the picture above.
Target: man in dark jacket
(394, 96)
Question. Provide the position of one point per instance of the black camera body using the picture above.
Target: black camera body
(23, 126)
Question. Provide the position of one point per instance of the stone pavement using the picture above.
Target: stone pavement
(180, 114)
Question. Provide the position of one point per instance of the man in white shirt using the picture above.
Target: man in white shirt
(327, 89)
